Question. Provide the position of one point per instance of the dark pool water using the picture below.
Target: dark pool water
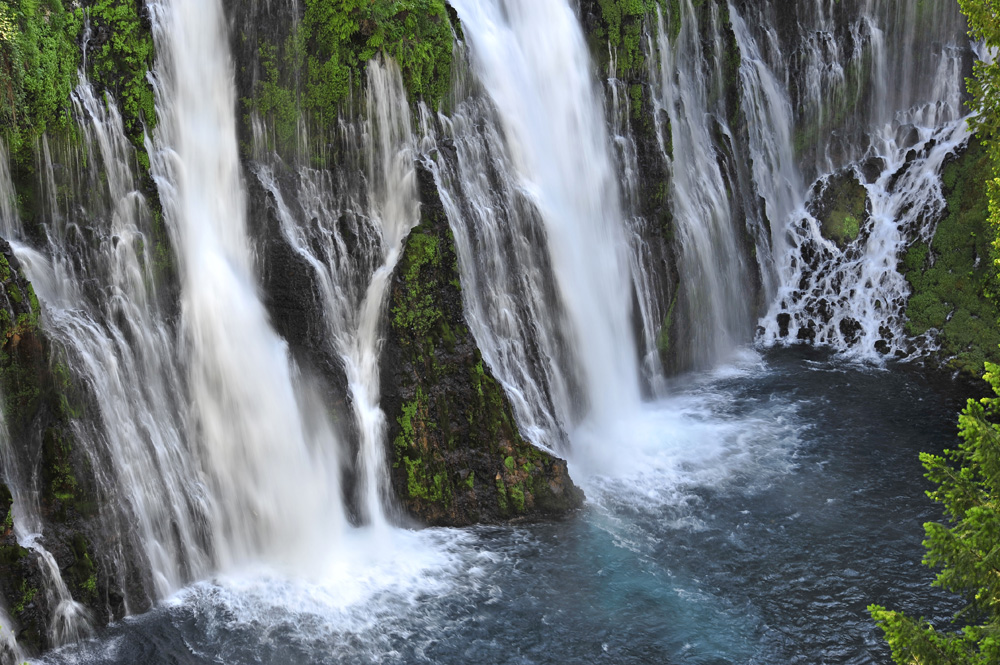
(753, 519)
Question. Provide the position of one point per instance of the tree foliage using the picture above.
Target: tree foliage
(38, 61)
(967, 549)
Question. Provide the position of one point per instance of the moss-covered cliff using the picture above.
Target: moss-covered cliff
(457, 457)
(952, 275)
(307, 69)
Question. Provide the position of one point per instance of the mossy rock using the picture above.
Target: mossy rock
(840, 204)
(311, 67)
(456, 454)
(951, 275)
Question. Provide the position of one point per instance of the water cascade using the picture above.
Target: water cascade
(271, 460)
(102, 310)
(716, 295)
(214, 447)
(378, 211)
(649, 256)
(69, 620)
(532, 60)
(849, 293)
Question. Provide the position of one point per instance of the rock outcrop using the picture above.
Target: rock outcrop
(456, 454)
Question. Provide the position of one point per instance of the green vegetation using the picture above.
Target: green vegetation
(330, 49)
(984, 24)
(121, 63)
(416, 310)
(966, 549)
(38, 62)
(26, 595)
(951, 277)
(19, 351)
(663, 340)
(843, 205)
(82, 574)
(621, 29)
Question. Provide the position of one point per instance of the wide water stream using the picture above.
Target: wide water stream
(754, 516)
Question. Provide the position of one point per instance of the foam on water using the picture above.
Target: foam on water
(703, 436)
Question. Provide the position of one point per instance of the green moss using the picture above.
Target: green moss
(502, 495)
(329, 51)
(663, 340)
(82, 574)
(951, 277)
(406, 439)
(272, 99)
(848, 203)
(621, 28)
(120, 65)
(61, 481)
(423, 484)
(26, 595)
(39, 57)
(11, 554)
(516, 494)
(417, 312)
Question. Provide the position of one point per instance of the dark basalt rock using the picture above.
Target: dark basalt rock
(455, 452)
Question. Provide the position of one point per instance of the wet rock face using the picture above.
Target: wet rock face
(41, 403)
(840, 203)
(456, 456)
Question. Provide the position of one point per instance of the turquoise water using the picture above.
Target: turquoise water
(759, 511)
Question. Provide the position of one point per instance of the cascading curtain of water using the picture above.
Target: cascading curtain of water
(532, 60)
(852, 297)
(215, 453)
(271, 460)
(647, 260)
(379, 210)
(102, 310)
(715, 276)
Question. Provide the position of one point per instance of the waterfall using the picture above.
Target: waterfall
(270, 456)
(382, 208)
(851, 296)
(10, 650)
(564, 297)
(8, 198)
(645, 257)
(716, 280)
(69, 619)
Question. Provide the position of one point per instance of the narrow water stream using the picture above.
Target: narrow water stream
(765, 505)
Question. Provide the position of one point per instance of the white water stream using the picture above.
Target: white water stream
(716, 279)
(532, 59)
(354, 283)
(852, 297)
(271, 460)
